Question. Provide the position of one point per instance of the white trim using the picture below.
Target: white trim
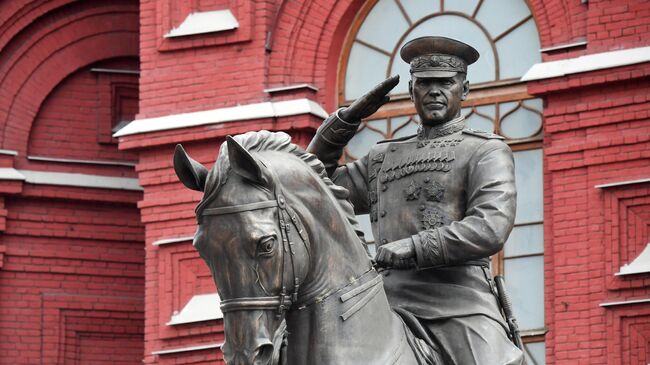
(80, 180)
(189, 348)
(535, 332)
(200, 308)
(640, 265)
(205, 22)
(592, 62)
(8, 173)
(222, 115)
(621, 183)
(9, 152)
(291, 87)
(167, 241)
(625, 302)
(115, 71)
(75, 161)
(563, 46)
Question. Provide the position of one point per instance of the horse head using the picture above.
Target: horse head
(252, 237)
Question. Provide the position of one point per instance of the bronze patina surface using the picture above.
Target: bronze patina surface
(277, 229)
(290, 263)
(441, 202)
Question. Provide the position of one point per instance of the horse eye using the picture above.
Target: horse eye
(266, 245)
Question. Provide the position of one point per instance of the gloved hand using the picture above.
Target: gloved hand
(368, 104)
(398, 254)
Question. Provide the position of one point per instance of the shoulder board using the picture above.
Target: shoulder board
(400, 139)
(482, 134)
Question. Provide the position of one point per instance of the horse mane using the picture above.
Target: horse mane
(281, 142)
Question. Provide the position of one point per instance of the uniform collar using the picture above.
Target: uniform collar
(441, 130)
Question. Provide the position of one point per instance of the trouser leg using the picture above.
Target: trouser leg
(473, 340)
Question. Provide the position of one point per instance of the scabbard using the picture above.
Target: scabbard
(506, 305)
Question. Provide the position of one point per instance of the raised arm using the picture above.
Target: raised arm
(335, 133)
(337, 130)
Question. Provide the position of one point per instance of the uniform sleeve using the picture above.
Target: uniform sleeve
(490, 214)
(328, 144)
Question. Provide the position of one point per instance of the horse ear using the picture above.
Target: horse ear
(245, 164)
(190, 172)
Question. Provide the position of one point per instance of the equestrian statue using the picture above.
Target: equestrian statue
(277, 229)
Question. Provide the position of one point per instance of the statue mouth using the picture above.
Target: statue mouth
(435, 105)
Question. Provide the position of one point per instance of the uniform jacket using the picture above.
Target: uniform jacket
(453, 193)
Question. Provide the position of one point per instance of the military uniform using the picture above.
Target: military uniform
(453, 193)
(440, 203)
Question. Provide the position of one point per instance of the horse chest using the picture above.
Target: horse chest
(414, 186)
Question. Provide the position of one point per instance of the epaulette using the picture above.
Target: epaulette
(397, 139)
(482, 134)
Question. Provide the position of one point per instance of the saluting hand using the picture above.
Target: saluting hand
(398, 254)
(369, 103)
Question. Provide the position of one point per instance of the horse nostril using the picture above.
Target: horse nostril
(263, 355)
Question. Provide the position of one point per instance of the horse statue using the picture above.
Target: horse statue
(283, 245)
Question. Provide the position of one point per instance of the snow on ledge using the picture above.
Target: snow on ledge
(205, 22)
(639, 265)
(592, 62)
(203, 307)
(222, 115)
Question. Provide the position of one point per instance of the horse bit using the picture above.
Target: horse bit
(282, 301)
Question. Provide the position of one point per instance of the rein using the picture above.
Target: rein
(282, 301)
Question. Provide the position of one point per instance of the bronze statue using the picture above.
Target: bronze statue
(290, 263)
(440, 203)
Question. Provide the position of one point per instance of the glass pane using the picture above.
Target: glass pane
(525, 284)
(417, 9)
(464, 6)
(364, 222)
(521, 123)
(482, 122)
(535, 104)
(383, 26)
(499, 15)
(525, 240)
(364, 139)
(536, 350)
(528, 175)
(519, 50)
(366, 68)
(405, 130)
(379, 124)
(460, 28)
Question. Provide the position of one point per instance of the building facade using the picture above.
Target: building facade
(96, 260)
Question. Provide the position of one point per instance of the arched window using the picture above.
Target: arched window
(505, 34)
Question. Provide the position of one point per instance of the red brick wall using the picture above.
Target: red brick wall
(596, 131)
(71, 258)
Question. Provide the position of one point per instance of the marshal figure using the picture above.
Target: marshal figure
(440, 202)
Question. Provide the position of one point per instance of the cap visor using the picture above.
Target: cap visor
(434, 74)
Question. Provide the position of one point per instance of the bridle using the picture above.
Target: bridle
(287, 217)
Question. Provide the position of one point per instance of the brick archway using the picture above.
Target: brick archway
(54, 46)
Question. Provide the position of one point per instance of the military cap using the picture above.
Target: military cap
(438, 56)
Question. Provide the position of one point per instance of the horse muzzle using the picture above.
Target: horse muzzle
(266, 351)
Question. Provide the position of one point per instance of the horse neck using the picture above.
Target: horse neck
(337, 255)
(326, 333)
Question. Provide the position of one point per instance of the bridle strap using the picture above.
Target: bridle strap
(287, 217)
(240, 208)
(256, 303)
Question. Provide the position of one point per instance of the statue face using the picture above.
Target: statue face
(437, 100)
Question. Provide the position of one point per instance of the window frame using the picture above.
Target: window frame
(486, 93)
